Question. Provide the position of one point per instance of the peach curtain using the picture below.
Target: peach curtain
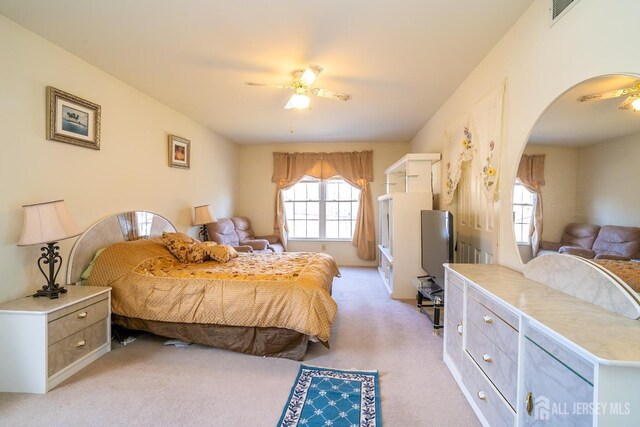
(356, 168)
(531, 176)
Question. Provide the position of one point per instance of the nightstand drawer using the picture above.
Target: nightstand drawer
(73, 322)
(65, 352)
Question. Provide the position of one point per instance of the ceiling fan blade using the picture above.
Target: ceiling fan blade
(329, 94)
(626, 104)
(287, 86)
(310, 75)
(612, 94)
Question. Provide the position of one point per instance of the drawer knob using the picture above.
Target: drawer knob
(82, 315)
(529, 403)
(487, 358)
(81, 343)
(487, 319)
(482, 395)
(459, 328)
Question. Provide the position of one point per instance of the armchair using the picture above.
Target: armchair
(238, 233)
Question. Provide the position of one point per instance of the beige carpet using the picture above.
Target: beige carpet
(148, 384)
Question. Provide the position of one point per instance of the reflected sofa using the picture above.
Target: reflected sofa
(595, 242)
(238, 233)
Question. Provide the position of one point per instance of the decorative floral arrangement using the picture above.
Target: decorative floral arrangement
(489, 172)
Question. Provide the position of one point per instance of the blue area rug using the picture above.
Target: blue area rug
(332, 397)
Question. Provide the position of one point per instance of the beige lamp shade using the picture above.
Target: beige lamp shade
(203, 215)
(47, 222)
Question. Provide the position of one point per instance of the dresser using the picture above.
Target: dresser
(45, 341)
(525, 354)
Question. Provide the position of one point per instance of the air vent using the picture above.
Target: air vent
(559, 8)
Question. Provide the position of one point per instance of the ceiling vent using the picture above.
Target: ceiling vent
(559, 8)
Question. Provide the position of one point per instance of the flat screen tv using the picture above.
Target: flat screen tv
(437, 242)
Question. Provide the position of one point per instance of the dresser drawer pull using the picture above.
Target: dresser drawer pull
(81, 343)
(482, 395)
(82, 315)
(487, 319)
(487, 358)
(529, 403)
(459, 328)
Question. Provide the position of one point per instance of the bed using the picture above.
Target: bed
(627, 271)
(261, 304)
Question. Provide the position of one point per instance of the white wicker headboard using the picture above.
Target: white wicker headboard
(116, 228)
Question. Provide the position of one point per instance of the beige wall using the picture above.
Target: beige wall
(129, 172)
(608, 177)
(256, 193)
(539, 63)
(559, 191)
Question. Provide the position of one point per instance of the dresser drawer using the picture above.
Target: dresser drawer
(494, 408)
(490, 320)
(68, 350)
(500, 369)
(456, 280)
(82, 316)
(453, 327)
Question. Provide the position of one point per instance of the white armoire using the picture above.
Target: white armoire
(409, 191)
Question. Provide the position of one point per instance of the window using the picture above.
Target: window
(321, 209)
(522, 212)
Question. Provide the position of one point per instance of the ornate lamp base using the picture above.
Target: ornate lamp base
(50, 257)
(204, 232)
(51, 293)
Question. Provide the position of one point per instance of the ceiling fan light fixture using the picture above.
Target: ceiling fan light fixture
(635, 105)
(298, 102)
(308, 77)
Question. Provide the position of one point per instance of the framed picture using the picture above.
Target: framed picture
(179, 152)
(72, 120)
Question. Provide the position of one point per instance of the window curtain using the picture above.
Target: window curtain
(531, 176)
(476, 136)
(129, 225)
(356, 168)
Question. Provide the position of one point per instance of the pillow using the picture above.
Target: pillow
(178, 244)
(87, 271)
(222, 253)
(198, 252)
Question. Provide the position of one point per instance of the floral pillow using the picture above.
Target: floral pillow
(199, 252)
(178, 244)
(222, 253)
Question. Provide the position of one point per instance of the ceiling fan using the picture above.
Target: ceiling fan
(302, 80)
(632, 93)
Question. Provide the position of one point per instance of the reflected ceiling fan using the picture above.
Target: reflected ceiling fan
(302, 80)
(632, 93)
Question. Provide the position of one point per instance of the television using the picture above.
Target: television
(437, 243)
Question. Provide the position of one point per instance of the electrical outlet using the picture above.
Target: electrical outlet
(323, 247)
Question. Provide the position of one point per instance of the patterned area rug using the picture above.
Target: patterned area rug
(331, 397)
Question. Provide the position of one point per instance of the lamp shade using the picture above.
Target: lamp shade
(203, 215)
(298, 102)
(47, 222)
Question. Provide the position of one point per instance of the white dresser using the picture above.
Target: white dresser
(44, 341)
(526, 354)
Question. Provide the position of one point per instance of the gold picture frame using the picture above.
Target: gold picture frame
(179, 152)
(72, 119)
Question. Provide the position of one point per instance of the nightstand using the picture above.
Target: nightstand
(44, 341)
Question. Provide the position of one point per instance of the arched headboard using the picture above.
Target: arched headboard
(120, 227)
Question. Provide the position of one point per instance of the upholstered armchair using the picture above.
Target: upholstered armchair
(575, 239)
(238, 233)
(592, 241)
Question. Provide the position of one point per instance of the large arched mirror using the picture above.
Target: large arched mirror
(583, 158)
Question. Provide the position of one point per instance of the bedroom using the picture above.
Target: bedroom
(538, 61)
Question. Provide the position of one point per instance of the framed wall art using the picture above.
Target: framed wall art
(179, 152)
(72, 120)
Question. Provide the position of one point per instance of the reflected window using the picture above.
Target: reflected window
(321, 209)
(522, 212)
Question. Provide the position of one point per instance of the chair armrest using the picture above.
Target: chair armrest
(256, 244)
(611, 256)
(272, 238)
(549, 246)
(576, 250)
(243, 248)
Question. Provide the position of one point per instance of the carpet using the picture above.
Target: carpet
(333, 397)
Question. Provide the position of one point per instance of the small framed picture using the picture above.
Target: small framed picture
(72, 120)
(179, 152)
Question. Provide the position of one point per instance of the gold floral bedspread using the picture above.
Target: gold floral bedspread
(289, 290)
(629, 271)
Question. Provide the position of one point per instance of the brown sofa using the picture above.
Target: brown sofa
(238, 233)
(592, 241)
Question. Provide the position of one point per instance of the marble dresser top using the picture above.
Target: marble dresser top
(609, 337)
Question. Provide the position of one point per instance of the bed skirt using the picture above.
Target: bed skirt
(270, 342)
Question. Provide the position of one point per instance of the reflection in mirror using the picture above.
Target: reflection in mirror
(582, 157)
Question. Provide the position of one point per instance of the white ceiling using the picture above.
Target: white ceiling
(399, 60)
(568, 122)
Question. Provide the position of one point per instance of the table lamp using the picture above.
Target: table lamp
(48, 223)
(203, 217)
